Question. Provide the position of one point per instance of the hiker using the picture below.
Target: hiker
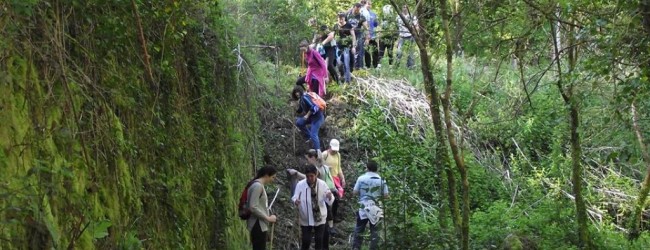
(360, 25)
(316, 74)
(387, 35)
(311, 196)
(309, 114)
(324, 38)
(372, 48)
(332, 158)
(370, 188)
(324, 174)
(345, 39)
(258, 223)
(405, 36)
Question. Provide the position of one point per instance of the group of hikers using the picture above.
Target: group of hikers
(357, 37)
(360, 38)
(316, 196)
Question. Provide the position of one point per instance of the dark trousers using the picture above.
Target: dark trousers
(313, 85)
(330, 56)
(258, 238)
(386, 48)
(312, 231)
(358, 230)
(372, 54)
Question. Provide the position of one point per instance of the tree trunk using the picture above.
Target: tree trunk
(635, 223)
(574, 122)
(458, 29)
(442, 153)
(446, 104)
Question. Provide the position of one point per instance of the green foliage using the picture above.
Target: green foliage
(94, 156)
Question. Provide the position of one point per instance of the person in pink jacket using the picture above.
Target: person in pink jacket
(316, 75)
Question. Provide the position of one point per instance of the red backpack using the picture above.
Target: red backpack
(317, 100)
(244, 207)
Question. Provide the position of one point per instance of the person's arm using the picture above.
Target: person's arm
(354, 41)
(327, 194)
(341, 175)
(254, 202)
(355, 191)
(329, 38)
(296, 195)
(385, 191)
(308, 57)
(367, 27)
(299, 176)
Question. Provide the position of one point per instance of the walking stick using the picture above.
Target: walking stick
(270, 207)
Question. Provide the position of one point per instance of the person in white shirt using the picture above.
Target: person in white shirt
(370, 187)
(311, 196)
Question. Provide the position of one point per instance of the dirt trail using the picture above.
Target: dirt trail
(284, 148)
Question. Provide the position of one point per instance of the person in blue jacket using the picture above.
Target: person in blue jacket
(309, 114)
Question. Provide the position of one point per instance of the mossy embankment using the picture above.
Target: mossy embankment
(104, 146)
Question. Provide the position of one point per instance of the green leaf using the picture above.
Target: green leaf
(100, 229)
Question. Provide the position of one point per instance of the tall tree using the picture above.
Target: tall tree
(442, 152)
(446, 103)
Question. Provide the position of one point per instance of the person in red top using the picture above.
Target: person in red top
(316, 74)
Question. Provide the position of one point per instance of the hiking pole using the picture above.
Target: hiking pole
(270, 207)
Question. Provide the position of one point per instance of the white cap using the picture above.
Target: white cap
(334, 144)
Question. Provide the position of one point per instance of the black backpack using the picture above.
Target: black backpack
(243, 207)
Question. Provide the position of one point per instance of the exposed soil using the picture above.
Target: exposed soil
(284, 148)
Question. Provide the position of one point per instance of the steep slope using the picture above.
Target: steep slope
(104, 145)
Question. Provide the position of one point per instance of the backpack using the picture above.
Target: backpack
(243, 207)
(317, 100)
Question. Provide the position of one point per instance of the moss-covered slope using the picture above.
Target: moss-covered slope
(102, 147)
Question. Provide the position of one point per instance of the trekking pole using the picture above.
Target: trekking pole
(270, 207)
(272, 229)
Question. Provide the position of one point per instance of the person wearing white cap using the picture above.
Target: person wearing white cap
(332, 158)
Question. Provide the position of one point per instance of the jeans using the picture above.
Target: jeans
(346, 64)
(408, 42)
(358, 58)
(358, 230)
(258, 238)
(312, 231)
(315, 121)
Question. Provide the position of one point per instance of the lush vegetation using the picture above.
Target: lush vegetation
(123, 126)
(133, 124)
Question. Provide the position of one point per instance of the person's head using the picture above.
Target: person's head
(312, 174)
(357, 8)
(368, 4)
(405, 9)
(372, 166)
(312, 157)
(334, 145)
(341, 17)
(297, 92)
(266, 174)
(303, 45)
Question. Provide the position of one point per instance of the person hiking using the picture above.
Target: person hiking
(360, 25)
(370, 187)
(372, 47)
(309, 114)
(316, 74)
(324, 38)
(258, 223)
(311, 196)
(388, 34)
(313, 159)
(345, 39)
(332, 158)
(405, 36)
